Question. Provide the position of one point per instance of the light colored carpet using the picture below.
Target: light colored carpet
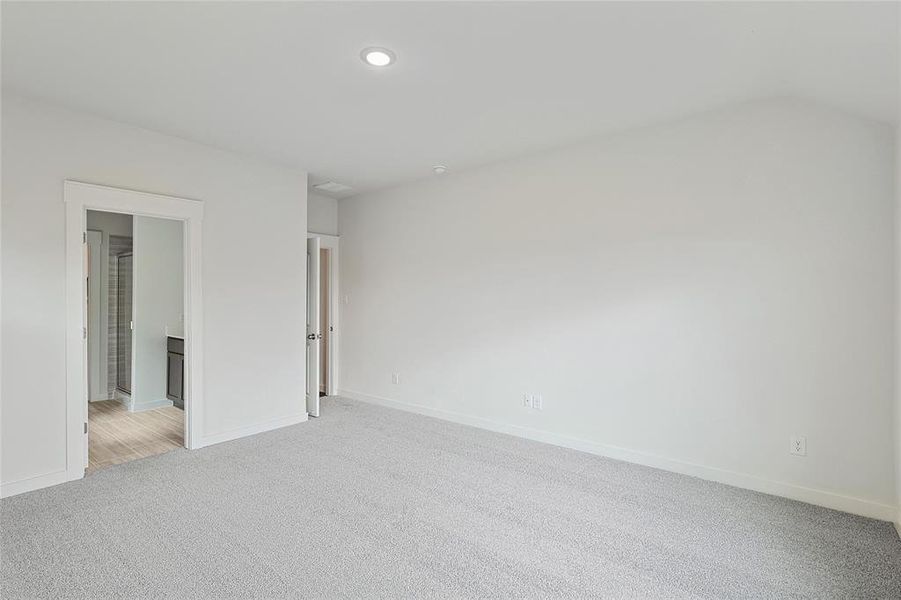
(368, 502)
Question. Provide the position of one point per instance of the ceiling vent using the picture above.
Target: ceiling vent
(332, 188)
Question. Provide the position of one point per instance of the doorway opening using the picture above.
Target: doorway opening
(322, 319)
(138, 390)
(134, 282)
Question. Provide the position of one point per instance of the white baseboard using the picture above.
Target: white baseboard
(13, 488)
(233, 434)
(142, 406)
(849, 504)
(898, 523)
(122, 397)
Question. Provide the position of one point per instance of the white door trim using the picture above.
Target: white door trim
(79, 198)
(332, 243)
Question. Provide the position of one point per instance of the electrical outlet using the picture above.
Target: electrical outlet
(532, 401)
(395, 378)
(798, 445)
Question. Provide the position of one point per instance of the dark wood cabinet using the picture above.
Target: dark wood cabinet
(175, 371)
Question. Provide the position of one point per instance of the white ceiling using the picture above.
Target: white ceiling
(473, 82)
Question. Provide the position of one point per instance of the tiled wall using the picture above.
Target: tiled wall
(117, 245)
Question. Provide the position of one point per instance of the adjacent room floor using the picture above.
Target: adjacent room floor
(117, 436)
(371, 502)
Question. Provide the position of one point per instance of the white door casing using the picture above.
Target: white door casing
(79, 198)
(331, 243)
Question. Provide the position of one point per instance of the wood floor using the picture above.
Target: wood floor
(116, 436)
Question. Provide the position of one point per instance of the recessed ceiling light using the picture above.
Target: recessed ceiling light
(439, 169)
(377, 57)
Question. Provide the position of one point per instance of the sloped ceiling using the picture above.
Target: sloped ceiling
(473, 82)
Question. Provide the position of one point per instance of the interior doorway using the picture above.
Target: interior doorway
(141, 390)
(134, 268)
(322, 319)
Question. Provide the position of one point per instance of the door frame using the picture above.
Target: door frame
(80, 197)
(332, 244)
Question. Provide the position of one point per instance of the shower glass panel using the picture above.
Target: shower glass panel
(123, 322)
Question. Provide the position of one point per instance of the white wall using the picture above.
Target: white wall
(898, 302)
(110, 223)
(322, 214)
(688, 295)
(254, 235)
(158, 305)
(898, 317)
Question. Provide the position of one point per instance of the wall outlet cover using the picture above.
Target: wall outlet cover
(798, 445)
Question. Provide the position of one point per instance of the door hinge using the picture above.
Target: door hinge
(84, 237)
(84, 333)
(86, 427)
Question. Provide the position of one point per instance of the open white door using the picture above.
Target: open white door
(96, 385)
(314, 335)
(85, 275)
